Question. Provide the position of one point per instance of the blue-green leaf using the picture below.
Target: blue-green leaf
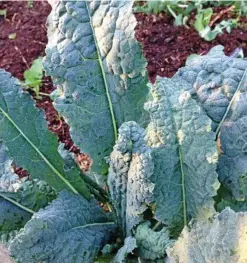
(70, 229)
(98, 68)
(218, 84)
(152, 244)
(184, 154)
(128, 247)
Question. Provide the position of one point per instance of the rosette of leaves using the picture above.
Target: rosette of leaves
(162, 180)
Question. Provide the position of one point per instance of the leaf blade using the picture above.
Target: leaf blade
(75, 227)
(23, 127)
(184, 154)
(105, 83)
(129, 178)
(218, 240)
(218, 84)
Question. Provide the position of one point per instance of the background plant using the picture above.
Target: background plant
(33, 76)
(207, 27)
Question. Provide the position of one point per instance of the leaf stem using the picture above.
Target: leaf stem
(91, 182)
(171, 11)
(44, 94)
(230, 104)
(17, 204)
(183, 188)
(156, 225)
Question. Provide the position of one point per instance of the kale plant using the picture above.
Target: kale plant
(175, 166)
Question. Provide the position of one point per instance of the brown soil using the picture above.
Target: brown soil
(166, 48)
(28, 24)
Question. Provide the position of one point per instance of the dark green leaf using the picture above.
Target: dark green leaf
(23, 130)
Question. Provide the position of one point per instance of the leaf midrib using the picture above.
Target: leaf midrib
(230, 104)
(92, 225)
(17, 204)
(180, 163)
(104, 77)
(38, 151)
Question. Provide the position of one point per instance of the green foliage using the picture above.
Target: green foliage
(129, 246)
(181, 10)
(12, 219)
(226, 106)
(3, 12)
(129, 178)
(185, 154)
(162, 180)
(24, 126)
(33, 194)
(152, 244)
(220, 239)
(203, 18)
(100, 76)
(33, 76)
(70, 229)
(19, 198)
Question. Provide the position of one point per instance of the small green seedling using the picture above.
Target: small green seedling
(33, 76)
(3, 12)
(30, 4)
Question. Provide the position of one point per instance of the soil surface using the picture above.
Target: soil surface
(166, 48)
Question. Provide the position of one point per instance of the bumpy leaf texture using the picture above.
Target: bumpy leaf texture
(33, 194)
(129, 178)
(70, 229)
(218, 83)
(218, 240)
(8, 179)
(18, 198)
(152, 244)
(12, 219)
(23, 130)
(98, 68)
(18, 207)
(184, 152)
